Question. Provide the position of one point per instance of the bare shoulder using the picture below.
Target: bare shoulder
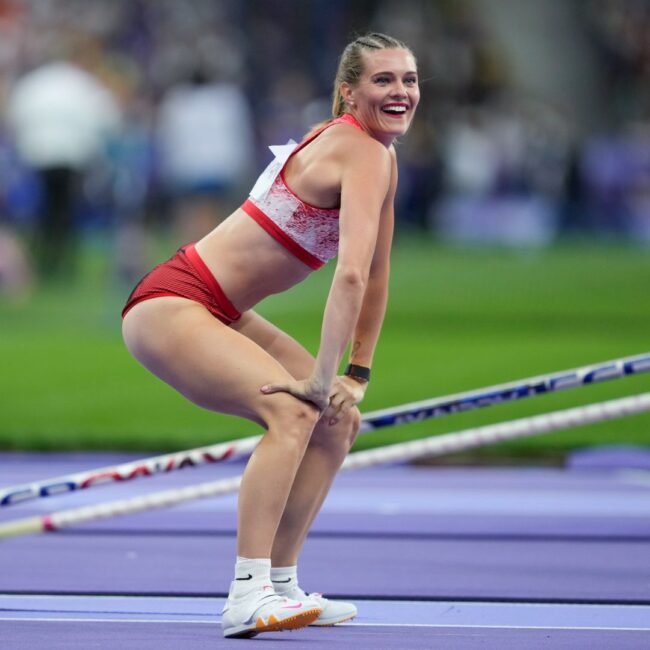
(393, 158)
(353, 160)
(356, 149)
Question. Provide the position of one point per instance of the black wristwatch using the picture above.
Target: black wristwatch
(357, 372)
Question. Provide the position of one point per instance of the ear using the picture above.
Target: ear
(347, 92)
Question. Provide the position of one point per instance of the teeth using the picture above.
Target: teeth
(395, 109)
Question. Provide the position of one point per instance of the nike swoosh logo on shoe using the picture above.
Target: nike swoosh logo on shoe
(250, 577)
(282, 581)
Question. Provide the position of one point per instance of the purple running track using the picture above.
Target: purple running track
(341, 566)
(434, 557)
(193, 622)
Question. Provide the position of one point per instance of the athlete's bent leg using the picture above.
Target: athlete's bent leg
(222, 370)
(327, 449)
(270, 474)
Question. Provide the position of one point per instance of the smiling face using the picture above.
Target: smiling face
(386, 95)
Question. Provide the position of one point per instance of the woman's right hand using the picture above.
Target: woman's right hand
(304, 389)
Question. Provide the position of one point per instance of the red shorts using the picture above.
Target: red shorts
(187, 276)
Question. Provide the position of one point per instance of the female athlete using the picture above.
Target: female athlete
(191, 322)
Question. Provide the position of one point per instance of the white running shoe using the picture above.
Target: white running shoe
(265, 611)
(333, 611)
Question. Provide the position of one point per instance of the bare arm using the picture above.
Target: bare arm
(349, 391)
(365, 181)
(373, 309)
(363, 192)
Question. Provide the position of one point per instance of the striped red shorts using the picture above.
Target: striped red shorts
(187, 276)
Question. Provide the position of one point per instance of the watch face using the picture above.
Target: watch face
(358, 372)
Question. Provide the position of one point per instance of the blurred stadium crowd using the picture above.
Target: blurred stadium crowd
(125, 115)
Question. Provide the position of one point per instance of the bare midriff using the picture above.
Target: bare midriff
(247, 262)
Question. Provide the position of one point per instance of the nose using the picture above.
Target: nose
(398, 89)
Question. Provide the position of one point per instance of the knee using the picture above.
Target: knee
(339, 437)
(352, 424)
(291, 420)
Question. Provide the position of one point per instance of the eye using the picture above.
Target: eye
(382, 80)
(412, 81)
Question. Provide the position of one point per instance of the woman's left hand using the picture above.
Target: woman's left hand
(346, 393)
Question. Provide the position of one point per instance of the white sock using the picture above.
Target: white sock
(250, 574)
(284, 578)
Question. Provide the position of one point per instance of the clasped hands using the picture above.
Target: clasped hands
(332, 404)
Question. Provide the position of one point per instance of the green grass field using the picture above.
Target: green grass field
(458, 320)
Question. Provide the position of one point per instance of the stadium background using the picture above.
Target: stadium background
(524, 207)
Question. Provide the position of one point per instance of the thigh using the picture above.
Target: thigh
(299, 363)
(212, 364)
(281, 346)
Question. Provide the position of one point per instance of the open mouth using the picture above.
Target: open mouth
(394, 110)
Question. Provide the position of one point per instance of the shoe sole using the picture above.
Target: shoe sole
(330, 623)
(274, 625)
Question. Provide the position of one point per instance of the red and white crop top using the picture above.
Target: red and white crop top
(309, 232)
